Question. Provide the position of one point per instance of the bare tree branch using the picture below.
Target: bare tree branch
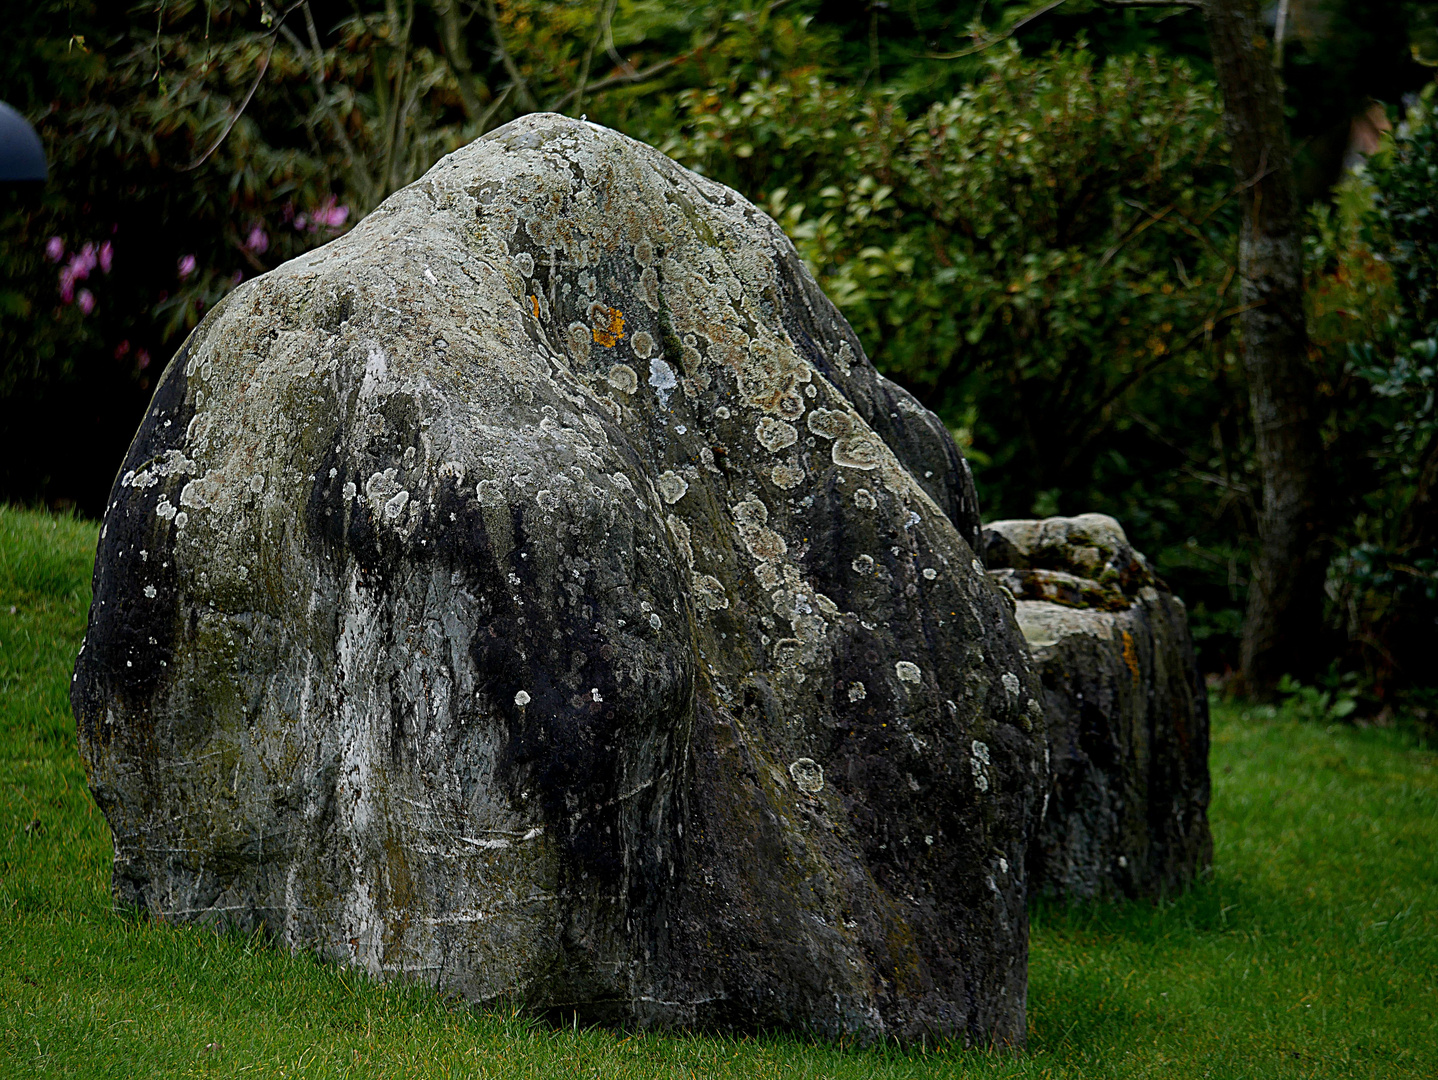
(235, 116)
(641, 75)
(494, 107)
(526, 97)
(394, 130)
(994, 39)
(606, 15)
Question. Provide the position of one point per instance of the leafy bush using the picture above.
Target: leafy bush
(1378, 273)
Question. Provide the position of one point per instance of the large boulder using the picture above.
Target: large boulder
(1127, 813)
(536, 592)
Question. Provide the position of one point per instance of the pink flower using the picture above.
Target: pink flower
(325, 216)
(142, 359)
(86, 300)
(186, 266)
(80, 265)
(55, 249)
(67, 284)
(331, 216)
(107, 256)
(236, 278)
(258, 241)
(122, 349)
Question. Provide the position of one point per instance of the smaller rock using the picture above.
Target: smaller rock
(1127, 814)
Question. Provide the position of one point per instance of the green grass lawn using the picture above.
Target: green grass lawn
(1312, 952)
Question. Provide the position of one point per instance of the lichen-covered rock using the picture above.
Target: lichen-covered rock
(536, 592)
(1127, 813)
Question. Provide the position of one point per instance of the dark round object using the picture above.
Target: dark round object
(22, 158)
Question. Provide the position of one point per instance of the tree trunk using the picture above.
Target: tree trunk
(1282, 632)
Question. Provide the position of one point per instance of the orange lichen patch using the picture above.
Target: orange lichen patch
(1130, 656)
(608, 324)
(534, 303)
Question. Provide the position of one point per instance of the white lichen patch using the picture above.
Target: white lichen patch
(751, 517)
(672, 487)
(830, 423)
(908, 672)
(808, 775)
(981, 778)
(578, 340)
(683, 538)
(863, 564)
(787, 477)
(649, 288)
(775, 435)
(394, 507)
(864, 499)
(1011, 683)
(642, 344)
(709, 592)
(661, 377)
(522, 698)
(857, 691)
(547, 500)
(862, 451)
(623, 378)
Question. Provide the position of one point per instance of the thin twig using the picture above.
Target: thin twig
(639, 76)
(526, 98)
(1152, 220)
(996, 38)
(606, 13)
(317, 74)
(494, 107)
(234, 118)
(394, 137)
(619, 61)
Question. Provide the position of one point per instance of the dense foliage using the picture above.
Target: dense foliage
(1378, 272)
(1031, 223)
